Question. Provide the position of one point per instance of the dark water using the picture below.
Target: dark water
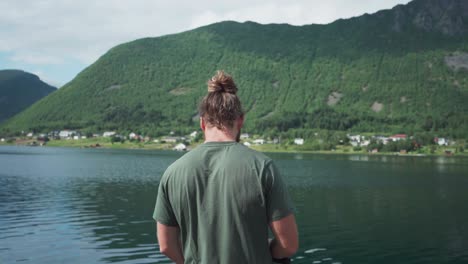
(61, 205)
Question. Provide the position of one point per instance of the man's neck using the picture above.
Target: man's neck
(214, 134)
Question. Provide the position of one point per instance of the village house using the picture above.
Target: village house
(180, 147)
(364, 143)
(30, 134)
(109, 134)
(398, 137)
(193, 134)
(170, 139)
(299, 141)
(259, 141)
(133, 136)
(382, 139)
(244, 136)
(54, 134)
(441, 141)
(66, 134)
(355, 138)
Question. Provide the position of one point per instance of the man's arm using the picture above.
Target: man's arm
(286, 242)
(169, 242)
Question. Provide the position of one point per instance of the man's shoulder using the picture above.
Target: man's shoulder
(251, 154)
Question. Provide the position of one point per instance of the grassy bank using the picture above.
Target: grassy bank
(280, 148)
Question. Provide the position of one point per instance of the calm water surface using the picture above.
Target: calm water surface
(60, 205)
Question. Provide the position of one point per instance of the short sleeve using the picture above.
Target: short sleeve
(163, 211)
(278, 201)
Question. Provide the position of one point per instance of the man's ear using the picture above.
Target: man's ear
(202, 124)
(240, 122)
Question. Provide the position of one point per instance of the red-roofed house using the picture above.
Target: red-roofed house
(398, 137)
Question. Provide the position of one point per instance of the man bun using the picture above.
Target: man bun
(222, 83)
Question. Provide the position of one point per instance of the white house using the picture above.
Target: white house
(132, 136)
(299, 141)
(382, 139)
(442, 142)
(247, 144)
(76, 137)
(193, 134)
(356, 138)
(259, 141)
(244, 136)
(180, 147)
(398, 137)
(170, 139)
(30, 134)
(66, 133)
(109, 134)
(365, 143)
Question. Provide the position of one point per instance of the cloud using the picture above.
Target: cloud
(36, 59)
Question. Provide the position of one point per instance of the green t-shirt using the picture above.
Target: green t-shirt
(222, 196)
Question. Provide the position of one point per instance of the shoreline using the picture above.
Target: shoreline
(105, 144)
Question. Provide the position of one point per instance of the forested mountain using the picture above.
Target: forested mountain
(399, 70)
(19, 90)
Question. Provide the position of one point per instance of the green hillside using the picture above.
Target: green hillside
(399, 70)
(19, 90)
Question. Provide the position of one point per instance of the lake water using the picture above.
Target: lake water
(61, 205)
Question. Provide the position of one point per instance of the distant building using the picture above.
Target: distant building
(170, 139)
(95, 135)
(247, 144)
(244, 136)
(441, 141)
(66, 133)
(299, 141)
(109, 134)
(355, 138)
(259, 141)
(365, 143)
(382, 139)
(2, 140)
(193, 134)
(76, 137)
(398, 137)
(132, 136)
(180, 147)
(54, 134)
(30, 134)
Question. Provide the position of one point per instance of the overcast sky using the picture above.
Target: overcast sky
(56, 39)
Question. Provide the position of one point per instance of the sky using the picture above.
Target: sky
(56, 39)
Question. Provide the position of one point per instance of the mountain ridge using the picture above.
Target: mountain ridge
(18, 90)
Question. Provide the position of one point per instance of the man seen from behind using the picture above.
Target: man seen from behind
(216, 203)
